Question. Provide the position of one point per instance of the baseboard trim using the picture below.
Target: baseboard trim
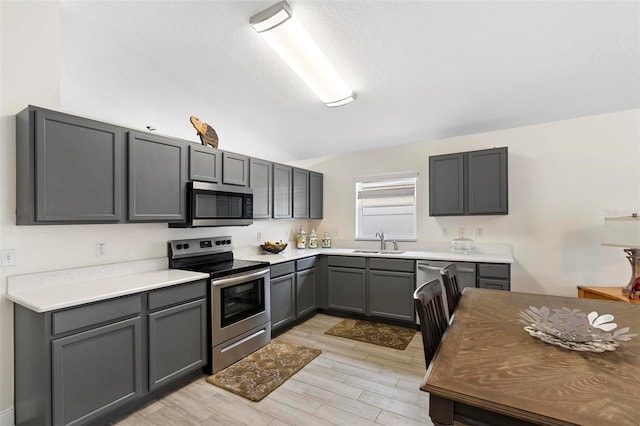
(6, 417)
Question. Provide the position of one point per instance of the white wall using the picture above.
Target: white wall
(563, 176)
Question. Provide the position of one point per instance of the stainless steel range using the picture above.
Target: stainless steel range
(239, 296)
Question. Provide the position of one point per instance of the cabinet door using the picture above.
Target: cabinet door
(487, 181)
(96, 371)
(283, 293)
(300, 194)
(157, 178)
(235, 169)
(177, 341)
(205, 164)
(316, 195)
(391, 295)
(446, 185)
(346, 289)
(261, 181)
(78, 169)
(306, 292)
(282, 191)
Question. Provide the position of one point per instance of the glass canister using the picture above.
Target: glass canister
(302, 238)
(313, 239)
(326, 240)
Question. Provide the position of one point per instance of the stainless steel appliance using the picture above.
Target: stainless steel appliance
(239, 297)
(427, 270)
(210, 204)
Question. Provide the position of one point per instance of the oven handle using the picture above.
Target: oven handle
(239, 279)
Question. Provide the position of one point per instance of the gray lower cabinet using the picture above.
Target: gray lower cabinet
(96, 371)
(282, 191)
(261, 181)
(81, 364)
(205, 163)
(177, 331)
(391, 295)
(68, 169)
(157, 178)
(306, 286)
(376, 287)
(316, 195)
(283, 295)
(300, 193)
(469, 183)
(293, 291)
(495, 276)
(235, 169)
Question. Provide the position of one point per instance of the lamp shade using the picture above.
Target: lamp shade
(622, 232)
(286, 35)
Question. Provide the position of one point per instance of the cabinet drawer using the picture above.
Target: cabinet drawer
(177, 294)
(348, 261)
(96, 313)
(400, 265)
(306, 263)
(493, 284)
(281, 269)
(496, 270)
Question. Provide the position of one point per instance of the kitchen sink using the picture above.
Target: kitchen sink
(379, 251)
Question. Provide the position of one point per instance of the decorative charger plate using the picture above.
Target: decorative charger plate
(573, 329)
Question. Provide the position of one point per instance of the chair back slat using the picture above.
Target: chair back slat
(449, 275)
(433, 319)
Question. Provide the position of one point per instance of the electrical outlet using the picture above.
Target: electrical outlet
(334, 232)
(478, 232)
(444, 232)
(259, 236)
(101, 249)
(9, 257)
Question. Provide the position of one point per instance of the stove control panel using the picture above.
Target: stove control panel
(199, 246)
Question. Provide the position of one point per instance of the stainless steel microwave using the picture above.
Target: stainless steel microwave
(210, 204)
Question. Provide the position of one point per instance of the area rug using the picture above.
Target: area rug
(257, 375)
(376, 333)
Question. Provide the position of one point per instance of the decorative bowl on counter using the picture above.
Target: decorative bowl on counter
(274, 248)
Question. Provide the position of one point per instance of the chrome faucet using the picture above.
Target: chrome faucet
(383, 243)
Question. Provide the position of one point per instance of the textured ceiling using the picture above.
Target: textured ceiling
(421, 69)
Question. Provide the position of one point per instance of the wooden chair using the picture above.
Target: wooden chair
(433, 319)
(449, 275)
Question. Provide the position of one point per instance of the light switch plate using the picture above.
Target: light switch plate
(9, 257)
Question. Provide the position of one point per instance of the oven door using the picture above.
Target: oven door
(239, 303)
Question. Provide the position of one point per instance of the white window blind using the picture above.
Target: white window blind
(388, 204)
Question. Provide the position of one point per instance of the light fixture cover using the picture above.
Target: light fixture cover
(286, 35)
(622, 232)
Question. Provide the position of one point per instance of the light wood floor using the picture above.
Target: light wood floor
(351, 383)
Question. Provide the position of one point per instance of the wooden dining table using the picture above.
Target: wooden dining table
(489, 370)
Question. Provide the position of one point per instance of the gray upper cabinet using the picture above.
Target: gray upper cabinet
(157, 178)
(205, 163)
(235, 169)
(316, 197)
(68, 170)
(300, 193)
(469, 183)
(261, 181)
(282, 191)
(488, 181)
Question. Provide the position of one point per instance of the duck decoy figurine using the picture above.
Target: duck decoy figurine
(208, 136)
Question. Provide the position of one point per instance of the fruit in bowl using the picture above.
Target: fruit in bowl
(274, 247)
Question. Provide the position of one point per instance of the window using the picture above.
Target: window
(387, 203)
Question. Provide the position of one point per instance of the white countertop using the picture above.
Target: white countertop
(48, 291)
(495, 253)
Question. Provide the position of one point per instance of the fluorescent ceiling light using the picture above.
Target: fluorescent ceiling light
(286, 35)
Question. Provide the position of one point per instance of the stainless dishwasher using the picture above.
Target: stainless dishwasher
(427, 270)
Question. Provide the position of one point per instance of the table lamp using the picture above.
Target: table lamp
(625, 232)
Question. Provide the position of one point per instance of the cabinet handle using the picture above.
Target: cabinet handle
(429, 268)
(465, 270)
